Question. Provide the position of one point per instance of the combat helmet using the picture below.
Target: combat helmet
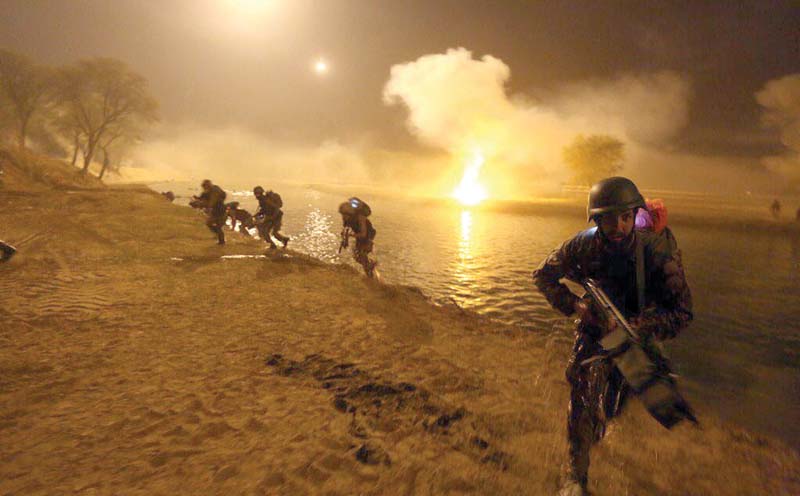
(346, 208)
(613, 194)
(258, 190)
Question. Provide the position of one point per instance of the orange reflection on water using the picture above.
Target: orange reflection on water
(463, 268)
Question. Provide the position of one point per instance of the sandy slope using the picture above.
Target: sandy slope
(124, 371)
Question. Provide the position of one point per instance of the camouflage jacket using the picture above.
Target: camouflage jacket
(668, 301)
(214, 199)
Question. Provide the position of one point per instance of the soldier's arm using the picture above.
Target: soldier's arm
(547, 279)
(671, 310)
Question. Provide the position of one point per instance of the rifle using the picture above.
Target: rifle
(345, 237)
(642, 364)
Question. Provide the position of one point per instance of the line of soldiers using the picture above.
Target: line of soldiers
(269, 218)
(632, 256)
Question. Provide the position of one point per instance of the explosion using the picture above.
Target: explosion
(470, 191)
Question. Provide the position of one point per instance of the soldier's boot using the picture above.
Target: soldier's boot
(7, 250)
(572, 488)
(220, 236)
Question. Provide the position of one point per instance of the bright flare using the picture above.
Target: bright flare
(470, 191)
(320, 66)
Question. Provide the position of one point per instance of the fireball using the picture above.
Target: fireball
(470, 191)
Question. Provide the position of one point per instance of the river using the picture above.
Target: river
(740, 356)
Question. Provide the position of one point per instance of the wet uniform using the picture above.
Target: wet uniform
(364, 245)
(598, 390)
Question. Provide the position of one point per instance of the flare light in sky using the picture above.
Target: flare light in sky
(321, 66)
(470, 191)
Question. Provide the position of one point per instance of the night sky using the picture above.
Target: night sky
(248, 63)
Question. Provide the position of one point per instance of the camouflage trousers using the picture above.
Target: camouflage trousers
(269, 228)
(598, 393)
(214, 222)
(361, 254)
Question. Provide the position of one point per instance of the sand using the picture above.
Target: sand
(135, 360)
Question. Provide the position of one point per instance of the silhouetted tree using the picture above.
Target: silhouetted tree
(25, 88)
(102, 100)
(593, 158)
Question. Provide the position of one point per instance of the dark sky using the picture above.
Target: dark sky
(248, 62)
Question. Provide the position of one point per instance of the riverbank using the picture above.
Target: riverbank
(134, 359)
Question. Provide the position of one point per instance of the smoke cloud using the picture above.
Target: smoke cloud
(458, 106)
(230, 154)
(780, 99)
(459, 103)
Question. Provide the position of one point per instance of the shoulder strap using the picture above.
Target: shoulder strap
(640, 284)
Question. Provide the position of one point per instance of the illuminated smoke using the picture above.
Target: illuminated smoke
(781, 101)
(459, 103)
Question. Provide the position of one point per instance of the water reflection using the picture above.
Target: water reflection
(464, 276)
(317, 238)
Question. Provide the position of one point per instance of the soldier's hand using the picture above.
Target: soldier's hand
(583, 309)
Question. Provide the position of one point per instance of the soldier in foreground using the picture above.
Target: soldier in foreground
(269, 217)
(652, 295)
(6, 251)
(356, 225)
(212, 200)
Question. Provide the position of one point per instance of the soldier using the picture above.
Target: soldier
(775, 208)
(269, 216)
(357, 225)
(212, 200)
(239, 216)
(6, 251)
(607, 253)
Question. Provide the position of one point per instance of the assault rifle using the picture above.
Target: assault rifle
(345, 237)
(642, 364)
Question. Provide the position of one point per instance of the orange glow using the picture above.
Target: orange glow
(470, 191)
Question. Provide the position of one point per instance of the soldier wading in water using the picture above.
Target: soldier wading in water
(607, 253)
(356, 225)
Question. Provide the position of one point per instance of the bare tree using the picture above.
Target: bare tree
(115, 142)
(102, 101)
(26, 88)
(593, 158)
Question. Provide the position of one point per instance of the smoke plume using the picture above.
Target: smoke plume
(780, 99)
(459, 104)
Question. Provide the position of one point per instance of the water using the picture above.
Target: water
(740, 356)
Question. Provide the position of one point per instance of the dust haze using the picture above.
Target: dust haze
(455, 102)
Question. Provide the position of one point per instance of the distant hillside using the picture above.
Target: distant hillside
(23, 170)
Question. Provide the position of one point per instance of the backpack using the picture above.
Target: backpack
(360, 206)
(275, 199)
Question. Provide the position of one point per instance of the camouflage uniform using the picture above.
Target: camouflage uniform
(364, 245)
(213, 201)
(269, 219)
(598, 390)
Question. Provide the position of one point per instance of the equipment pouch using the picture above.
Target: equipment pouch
(636, 367)
(665, 403)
